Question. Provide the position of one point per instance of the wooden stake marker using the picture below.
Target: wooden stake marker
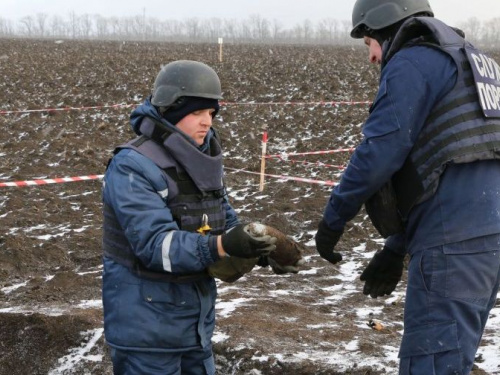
(263, 161)
(220, 49)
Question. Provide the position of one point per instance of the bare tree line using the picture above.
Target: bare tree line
(253, 29)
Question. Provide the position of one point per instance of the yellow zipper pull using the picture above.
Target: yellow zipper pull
(205, 228)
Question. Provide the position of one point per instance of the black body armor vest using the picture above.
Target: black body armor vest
(456, 131)
(195, 192)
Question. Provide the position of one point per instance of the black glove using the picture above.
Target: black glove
(326, 239)
(263, 261)
(382, 273)
(238, 242)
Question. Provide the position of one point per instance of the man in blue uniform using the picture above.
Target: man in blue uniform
(166, 220)
(428, 172)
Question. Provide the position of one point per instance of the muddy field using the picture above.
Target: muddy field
(314, 322)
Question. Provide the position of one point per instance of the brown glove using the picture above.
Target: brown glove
(230, 269)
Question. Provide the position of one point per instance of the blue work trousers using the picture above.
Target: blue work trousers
(192, 362)
(451, 290)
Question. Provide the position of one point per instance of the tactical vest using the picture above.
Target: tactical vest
(456, 131)
(195, 191)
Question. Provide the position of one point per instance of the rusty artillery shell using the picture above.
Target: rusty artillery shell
(288, 252)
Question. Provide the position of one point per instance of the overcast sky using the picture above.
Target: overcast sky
(288, 12)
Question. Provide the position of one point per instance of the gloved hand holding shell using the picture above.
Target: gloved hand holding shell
(286, 258)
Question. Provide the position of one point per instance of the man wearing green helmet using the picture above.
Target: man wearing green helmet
(428, 172)
(166, 220)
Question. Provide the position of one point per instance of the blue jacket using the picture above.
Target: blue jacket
(150, 315)
(466, 203)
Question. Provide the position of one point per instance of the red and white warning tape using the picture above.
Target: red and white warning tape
(66, 109)
(100, 176)
(227, 104)
(281, 156)
(278, 156)
(316, 164)
(50, 181)
(287, 178)
(321, 103)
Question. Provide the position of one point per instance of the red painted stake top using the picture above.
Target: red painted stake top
(264, 137)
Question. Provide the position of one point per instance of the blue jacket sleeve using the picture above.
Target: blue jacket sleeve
(136, 189)
(396, 243)
(410, 85)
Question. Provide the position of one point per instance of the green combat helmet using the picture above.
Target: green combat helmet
(378, 14)
(185, 78)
